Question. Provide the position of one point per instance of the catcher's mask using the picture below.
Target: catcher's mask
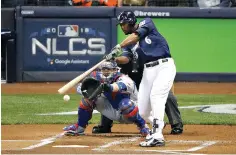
(108, 71)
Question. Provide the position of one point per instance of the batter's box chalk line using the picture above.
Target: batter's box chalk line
(45, 141)
(200, 145)
(117, 142)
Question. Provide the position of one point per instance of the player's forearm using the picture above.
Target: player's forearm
(131, 39)
(122, 60)
(118, 87)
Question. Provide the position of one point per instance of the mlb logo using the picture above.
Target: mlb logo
(68, 31)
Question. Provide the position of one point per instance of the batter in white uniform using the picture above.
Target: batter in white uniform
(158, 75)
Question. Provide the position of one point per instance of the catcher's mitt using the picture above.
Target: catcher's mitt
(91, 88)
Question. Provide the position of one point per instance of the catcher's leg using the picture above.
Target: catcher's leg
(105, 108)
(84, 115)
(104, 127)
(130, 112)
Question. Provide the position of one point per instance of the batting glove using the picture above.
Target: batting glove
(108, 57)
(115, 52)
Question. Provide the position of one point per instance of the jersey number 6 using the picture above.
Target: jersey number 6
(148, 40)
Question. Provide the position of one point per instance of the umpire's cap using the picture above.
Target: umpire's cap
(126, 17)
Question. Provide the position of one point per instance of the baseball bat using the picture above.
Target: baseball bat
(76, 80)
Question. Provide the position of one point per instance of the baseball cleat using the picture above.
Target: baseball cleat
(101, 129)
(73, 130)
(72, 127)
(73, 133)
(152, 143)
(177, 129)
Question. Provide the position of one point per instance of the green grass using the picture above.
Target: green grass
(187, 100)
(21, 109)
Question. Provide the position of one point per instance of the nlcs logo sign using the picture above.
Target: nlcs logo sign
(96, 46)
(91, 46)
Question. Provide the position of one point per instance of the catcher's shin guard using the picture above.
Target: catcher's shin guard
(130, 111)
(139, 121)
(84, 113)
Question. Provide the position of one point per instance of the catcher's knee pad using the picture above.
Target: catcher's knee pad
(128, 109)
(85, 105)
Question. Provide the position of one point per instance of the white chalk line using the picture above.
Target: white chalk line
(163, 151)
(186, 141)
(205, 144)
(100, 148)
(157, 151)
(70, 146)
(44, 142)
(202, 145)
(52, 139)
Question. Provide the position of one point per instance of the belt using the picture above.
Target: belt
(155, 63)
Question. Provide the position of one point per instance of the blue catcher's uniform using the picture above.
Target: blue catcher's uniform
(119, 106)
(116, 98)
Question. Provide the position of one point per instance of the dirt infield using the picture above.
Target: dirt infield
(124, 139)
(46, 139)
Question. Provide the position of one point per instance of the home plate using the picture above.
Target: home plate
(70, 146)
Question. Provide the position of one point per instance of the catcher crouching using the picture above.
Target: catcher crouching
(111, 93)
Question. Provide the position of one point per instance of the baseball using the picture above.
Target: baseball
(66, 98)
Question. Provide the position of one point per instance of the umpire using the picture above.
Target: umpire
(129, 64)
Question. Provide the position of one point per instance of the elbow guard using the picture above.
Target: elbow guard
(122, 86)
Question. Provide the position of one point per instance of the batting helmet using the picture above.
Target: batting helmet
(127, 17)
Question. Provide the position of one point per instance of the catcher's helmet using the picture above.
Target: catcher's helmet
(127, 17)
(108, 71)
